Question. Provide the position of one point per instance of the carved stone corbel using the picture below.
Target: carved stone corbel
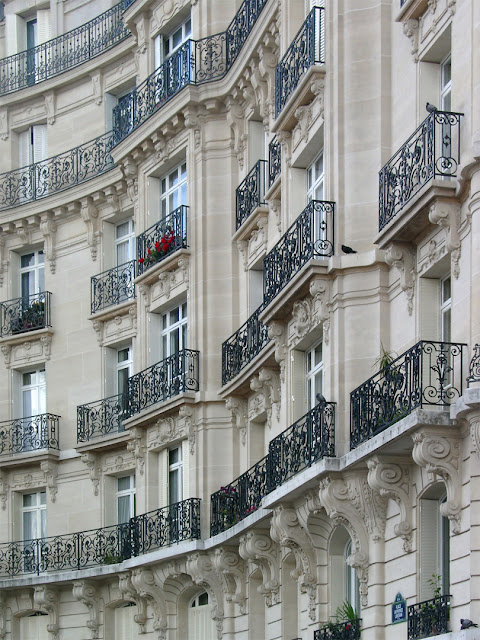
(239, 410)
(285, 529)
(129, 592)
(3, 257)
(440, 456)
(202, 571)
(276, 208)
(136, 445)
(242, 246)
(391, 481)
(49, 99)
(50, 470)
(321, 292)
(145, 584)
(24, 232)
(402, 258)
(3, 616)
(186, 414)
(231, 572)
(236, 120)
(262, 551)
(144, 290)
(446, 215)
(410, 29)
(277, 333)
(4, 123)
(93, 467)
(98, 328)
(97, 88)
(47, 600)
(89, 214)
(267, 383)
(86, 593)
(4, 487)
(49, 231)
(7, 353)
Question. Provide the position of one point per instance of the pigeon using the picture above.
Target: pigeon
(466, 623)
(346, 249)
(430, 108)
(321, 399)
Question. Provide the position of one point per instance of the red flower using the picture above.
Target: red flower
(141, 260)
(157, 245)
(149, 252)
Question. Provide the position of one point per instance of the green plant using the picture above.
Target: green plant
(435, 584)
(385, 358)
(345, 612)
(110, 558)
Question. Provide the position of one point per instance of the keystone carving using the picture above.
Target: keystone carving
(202, 571)
(145, 584)
(46, 599)
(50, 471)
(403, 259)
(231, 573)
(446, 215)
(128, 592)
(92, 463)
(85, 592)
(261, 551)
(440, 456)
(238, 407)
(391, 481)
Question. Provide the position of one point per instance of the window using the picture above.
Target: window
(124, 368)
(315, 179)
(174, 330)
(345, 585)
(32, 274)
(434, 545)
(314, 374)
(175, 475)
(446, 84)
(125, 498)
(33, 145)
(34, 515)
(174, 189)
(446, 308)
(124, 242)
(125, 626)
(177, 37)
(352, 584)
(33, 393)
(200, 623)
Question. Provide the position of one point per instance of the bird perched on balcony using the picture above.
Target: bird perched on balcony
(346, 249)
(430, 108)
(321, 400)
(465, 623)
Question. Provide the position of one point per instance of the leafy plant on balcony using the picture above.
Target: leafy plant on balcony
(161, 248)
(110, 558)
(30, 318)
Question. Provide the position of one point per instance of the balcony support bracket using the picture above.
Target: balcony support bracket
(145, 584)
(85, 592)
(261, 551)
(47, 600)
(402, 258)
(446, 215)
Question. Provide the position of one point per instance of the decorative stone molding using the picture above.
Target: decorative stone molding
(122, 326)
(285, 529)
(4, 487)
(50, 470)
(231, 572)
(202, 571)
(275, 207)
(93, 467)
(4, 123)
(49, 231)
(24, 232)
(321, 292)
(22, 481)
(47, 600)
(169, 282)
(239, 410)
(311, 311)
(136, 445)
(7, 353)
(89, 214)
(447, 216)
(145, 584)
(391, 481)
(86, 593)
(144, 290)
(440, 456)
(129, 593)
(97, 86)
(34, 350)
(3, 616)
(237, 122)
(277, 332)
(410, 29)
(267, 384)
(262, 551)
(3, 257)
(50, 106)
(308, 115)
(186, 414)
(98, 328)
(164, 12)
(403, 259)
(116, 462)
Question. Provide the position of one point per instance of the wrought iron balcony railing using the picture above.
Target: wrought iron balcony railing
(101, 418)
(195, 62)
(162, 239)
(60, 54)
(348, 630)
(28, 313)
(112, 287)
(428, 618)
(242, 347)
(173, 375)
(29, 434)
(310, 236)
(274, 160)
(58, 173)
(429, 374)
(306, 49)
(298, 447)
(432, 151)
(474, 368)
(108, 545)
(250, 194)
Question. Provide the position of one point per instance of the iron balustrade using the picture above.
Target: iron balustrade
(309, 439)
(107, 545)
(242, 347)
(64, 52)
(24, 314)
(101, 418)
(112, 287)
(474, 368)
(194, 62)
(176, 374)
(43, 178)
(310, 236)
(306, 49)
(162, 239)
(432, 151)
(32, 433)
(347, 630)
(428, 374)
(428, 618)
(235, 501)
(250, 194)
(274, 160)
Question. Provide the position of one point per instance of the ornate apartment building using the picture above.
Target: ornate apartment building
(239, 316)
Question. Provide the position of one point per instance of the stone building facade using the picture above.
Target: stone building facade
(239, 310)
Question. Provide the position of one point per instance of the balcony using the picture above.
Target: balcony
(101, 418)
(306, 50)
(24, 435)
(56, 174)
(60, 54)
(428, 618)
(112, 287)
(21, 315)
(162, 239)
(310, 236)
(243, 346)
(348, 630)
(432, 151)
(429, 374)
(166, 379)
(251, 193)
(108, 545)
(474, 367)
(274, 161)
(195, 62)
(309, 439)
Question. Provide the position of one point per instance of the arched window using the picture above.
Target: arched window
(345, 585)
(200, 623)
(352, 583)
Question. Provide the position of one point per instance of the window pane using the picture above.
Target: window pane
(122, 380)
(43, 524)
(123, 503)
(318, 354)
(29, 522)
(123, 354)
(123, 483)
(446, 289)
(173, 456)
(174, 342)
(27, 260)
(174, 315)
(174, 486)
(202, 599)
(122, 229)
(29, 499)
(43, 497)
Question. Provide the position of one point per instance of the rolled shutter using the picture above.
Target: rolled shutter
(200, 623)
(429, 309)
(40, 143)
(43, 26)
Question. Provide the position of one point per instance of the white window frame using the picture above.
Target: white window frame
(169, 328)
(39, 508)
(312, 373)
(33, 145)
(446, 309)
(127, 239)
(315, 181)
(131, 493)
(37, 390)
(35, 273)
(122, 365)
(174, 195)
(444, 548)
(446, 87)
(186, 32)
(177, 469)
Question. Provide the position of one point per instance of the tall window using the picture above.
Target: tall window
(174, 189)
(314, 374)
(33, 392)
(33, 146)
(124, 622)
(352, 584)
(175, 475)
(200, 623)
(125, 498)
(34, 627)
(124, 242)
(446, 84)
(124, 368)
(34, 515)
(434, 546)
(446, 308)
(174, 330)
(315, 179)
(175, 40)
(32, 273)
